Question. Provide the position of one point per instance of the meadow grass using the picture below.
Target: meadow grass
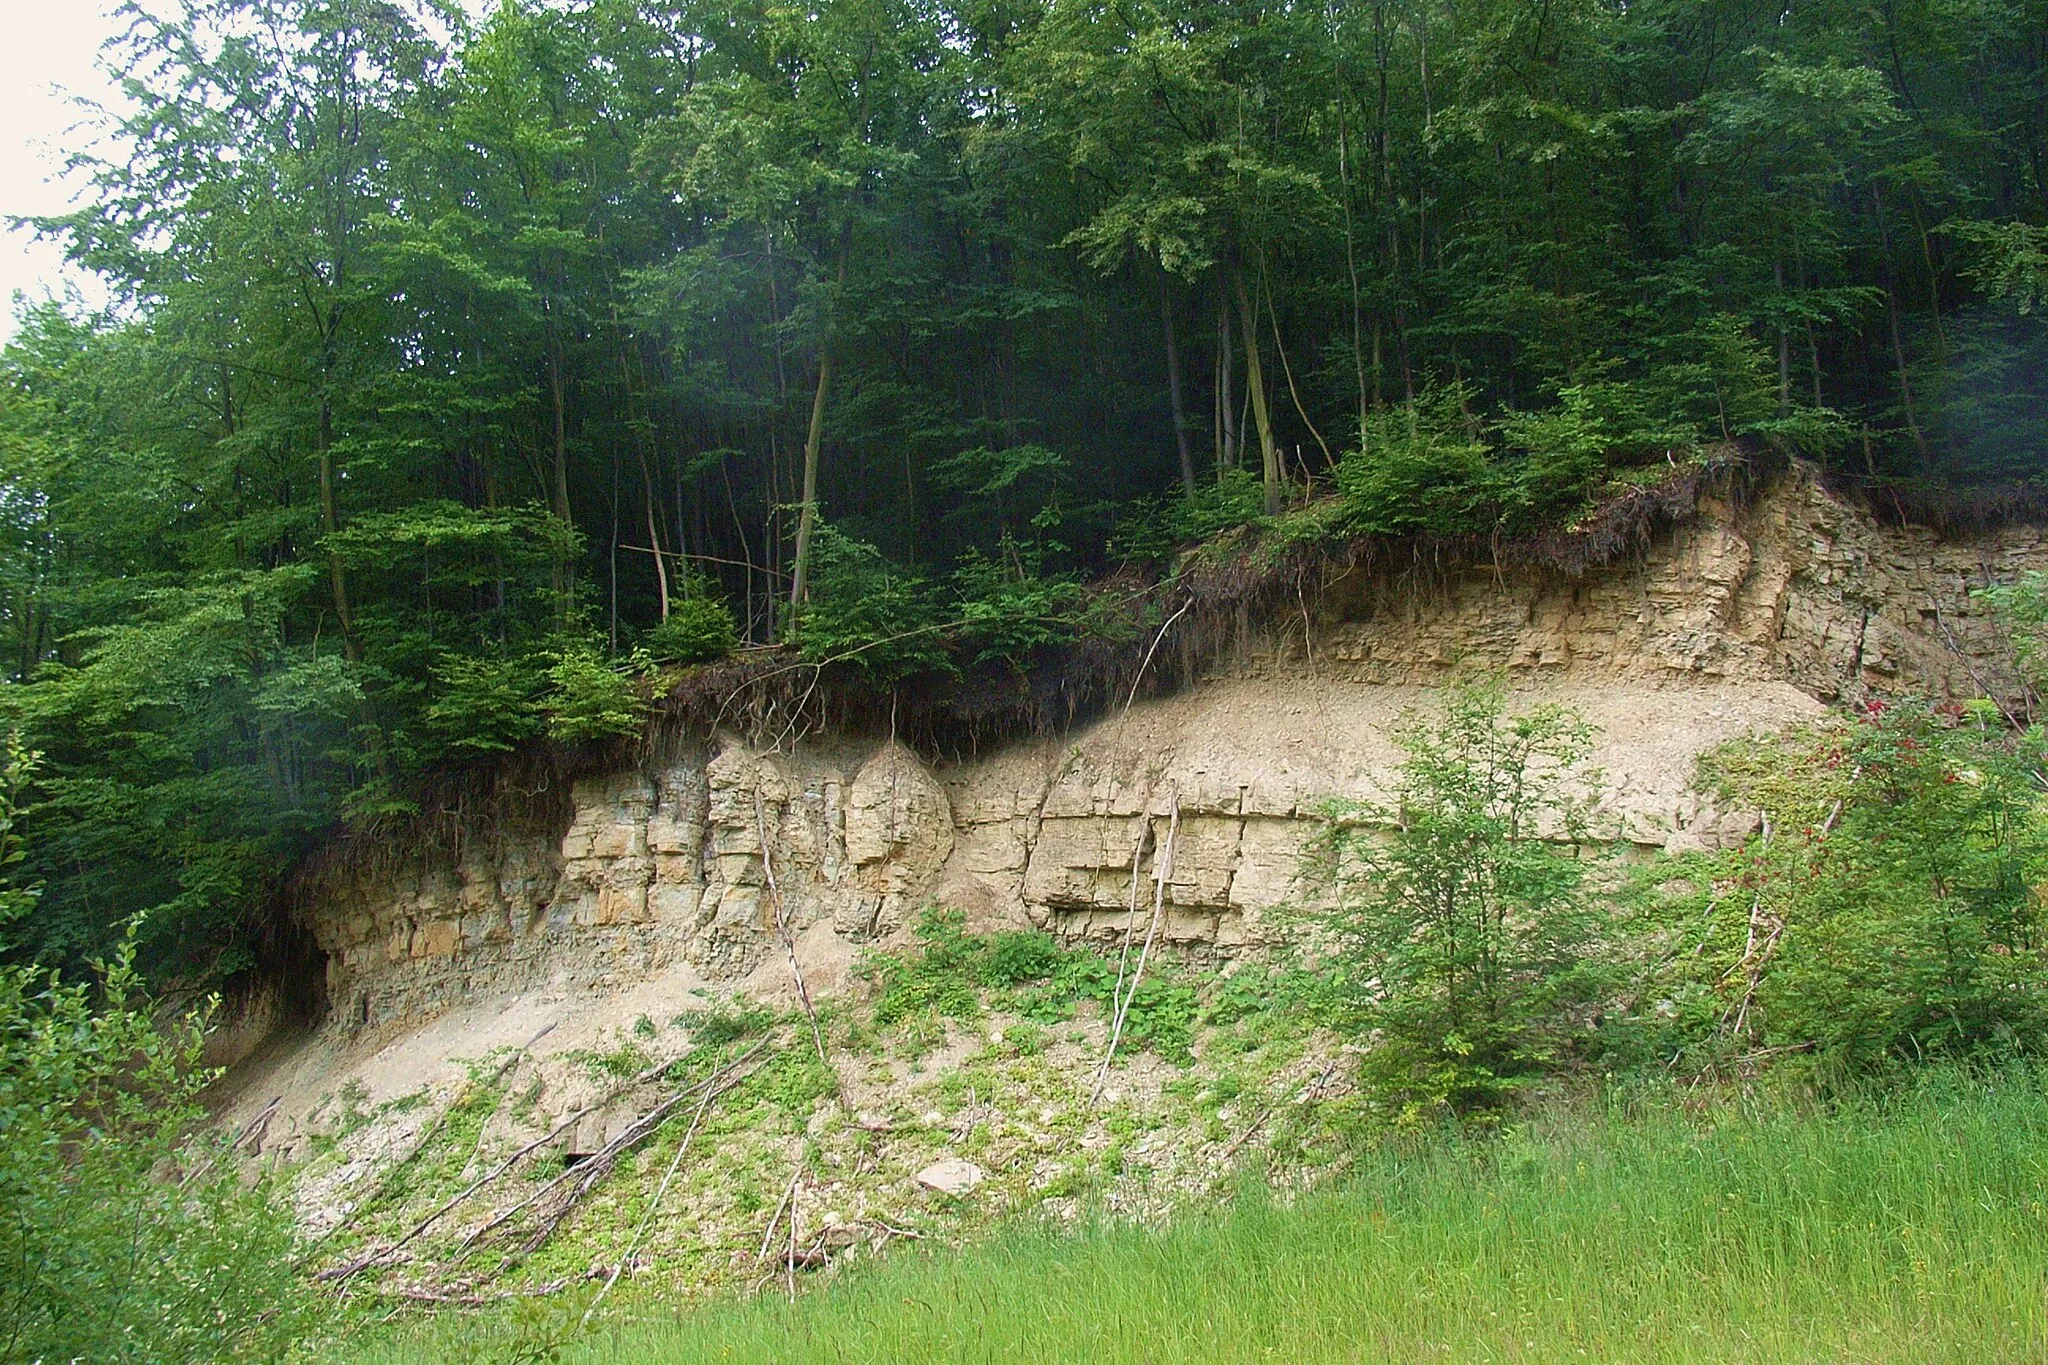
(1909, 1227)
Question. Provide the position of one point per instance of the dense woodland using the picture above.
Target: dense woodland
(464, 369)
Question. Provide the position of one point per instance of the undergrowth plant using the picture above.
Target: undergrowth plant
(121, 1237)
(952, 974)
(1887, 912)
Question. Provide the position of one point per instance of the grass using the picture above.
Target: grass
(1904, 1228)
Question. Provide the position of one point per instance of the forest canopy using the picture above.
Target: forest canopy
(461, 369)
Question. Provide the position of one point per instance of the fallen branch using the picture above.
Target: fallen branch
(260, 1120)
(473, 1300)
(1307, 1096)
(588, 1174)
(1970, 668)
(344, 1272)
(654, 1206)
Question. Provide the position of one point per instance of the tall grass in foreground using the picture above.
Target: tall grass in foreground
(1911, 1228)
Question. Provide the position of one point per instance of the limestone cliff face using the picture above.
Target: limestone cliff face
(1747, 619)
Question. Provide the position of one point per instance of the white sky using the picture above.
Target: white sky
(48, 50)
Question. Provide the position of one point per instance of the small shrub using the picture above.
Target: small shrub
(1422, 469)
(940, 977)
(697, 629)
(1889, 913)
(865, 612)
(1008, 605)
(589, 698)
(1019, 956)
(483, 704)
(727, 1020)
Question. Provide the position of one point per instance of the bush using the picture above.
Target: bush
(867, 613)
(483, 704)
(941, 976)
(1460, 931)
(1422, 469)
(1887, 913)
(946, 974)
(698, 628)
(1157, 527)
(589, 698)
(1008, 606)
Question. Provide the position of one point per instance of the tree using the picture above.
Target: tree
(1459, 930)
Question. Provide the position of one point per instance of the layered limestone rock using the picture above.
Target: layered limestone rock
(1746, 620)
(653, 870)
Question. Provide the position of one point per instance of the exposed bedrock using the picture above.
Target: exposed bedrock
(1744, 620)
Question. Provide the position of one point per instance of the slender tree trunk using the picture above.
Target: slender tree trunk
(614, 556)
(807, 509)
(330, 522)
(1784, 343)
(1226, 388)
(558, 491)
(653, 531)
(1891, 299)
(1280, 349)
(1255, 382)
(1173, 389)
(814, 443)
(1351, 263)
(337, 575)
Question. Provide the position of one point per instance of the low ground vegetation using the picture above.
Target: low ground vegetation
(1661, 1225)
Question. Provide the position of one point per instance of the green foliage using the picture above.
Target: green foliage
(1889, 912)
(1020, 955)
(1159, 526)
(1424, 469)
(867, 613)
(121, 1238)
(696, 630)
(590, 698)
(727, 1020)
(1009, 607)
(1461, 932)
(484, 704)
(950, 972)
(939, 977)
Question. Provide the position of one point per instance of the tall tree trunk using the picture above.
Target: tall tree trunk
(1173, 390)
(558, 491)
(1255, 382)
(1784, 342)
(653, 530)
(1891, 300)
(1351, 263)
(1286, 369)
(337, 579)
(1226, 389)
(330, 522)
(814, 443)
(807, 510)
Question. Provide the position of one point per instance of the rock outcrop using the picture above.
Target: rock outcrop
(1747, 619)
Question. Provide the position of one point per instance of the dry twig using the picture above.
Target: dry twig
(1162, 873)
(803, 991)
